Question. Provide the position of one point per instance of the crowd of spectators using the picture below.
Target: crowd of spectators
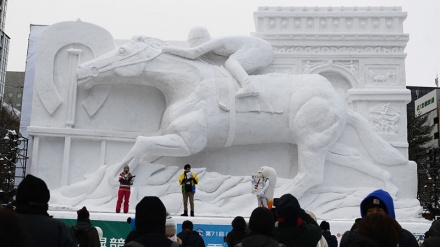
(28, 223)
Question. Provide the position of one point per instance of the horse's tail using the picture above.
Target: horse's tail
(378, 149)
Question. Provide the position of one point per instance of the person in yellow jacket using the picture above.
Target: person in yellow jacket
(188, 181)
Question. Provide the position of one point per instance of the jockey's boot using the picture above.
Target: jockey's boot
(192, 213)
(237, 70)
(247, 89)
(185, 213)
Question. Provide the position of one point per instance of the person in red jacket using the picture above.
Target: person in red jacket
(125, 182)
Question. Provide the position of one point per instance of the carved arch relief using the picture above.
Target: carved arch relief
(342, 74)
(384, 118)
(382, 75)
(349, 68)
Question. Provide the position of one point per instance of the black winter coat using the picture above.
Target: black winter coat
(258, 240)
(431, 242)
(45, 231)
(355, 239)
(90, 231)
(234, 237)
(191, 239)
(152, 240)
(332, 241)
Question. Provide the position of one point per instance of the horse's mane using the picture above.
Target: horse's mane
(150, 41)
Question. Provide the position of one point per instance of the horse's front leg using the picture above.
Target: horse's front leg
(187, 136)
(152, 148)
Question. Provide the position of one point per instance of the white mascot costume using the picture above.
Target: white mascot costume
(263, 186)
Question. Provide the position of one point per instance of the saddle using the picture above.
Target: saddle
(227, 86)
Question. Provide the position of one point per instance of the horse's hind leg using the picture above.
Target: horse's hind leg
(310, 171)
(316, 126)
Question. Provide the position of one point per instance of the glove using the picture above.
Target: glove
(262, 194)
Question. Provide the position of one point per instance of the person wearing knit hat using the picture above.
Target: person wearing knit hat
(31, 205)
(381, 202)
(295, 226)
(190, 237)
(188, 181)
(85, 233)
(150, 224)
(378, 201)
(261, 225)
(125, 182)
(32, 195)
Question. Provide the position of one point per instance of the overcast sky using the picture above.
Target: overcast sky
(172, 19)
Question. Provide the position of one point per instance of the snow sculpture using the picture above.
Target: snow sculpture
(244, 55)
(181, 111)
(300, 109)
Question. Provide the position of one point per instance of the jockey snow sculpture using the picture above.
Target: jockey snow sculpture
(300, 109)
(244, 55)
(263, 186)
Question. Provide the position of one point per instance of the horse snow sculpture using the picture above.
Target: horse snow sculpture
(301, 109)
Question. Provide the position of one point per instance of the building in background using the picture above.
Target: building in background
(13, 94)
(416, 93)
(425, 102)
(428, 104)
(4, 47)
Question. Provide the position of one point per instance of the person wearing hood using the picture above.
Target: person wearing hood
(86, 235)
(190, 237)
(295, 226)
(261, 224)
(150, 224)
(381, 202)
(31, 206)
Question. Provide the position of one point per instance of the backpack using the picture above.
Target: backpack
(82, 235)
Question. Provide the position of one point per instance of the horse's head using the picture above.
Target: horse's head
(126, 61)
